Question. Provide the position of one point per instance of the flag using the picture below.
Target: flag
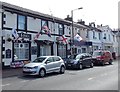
(37, 36)
(78, 37)
(15, 34)
(64, 39)
(46, 30)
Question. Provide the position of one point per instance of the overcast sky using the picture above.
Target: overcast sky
(99, 11)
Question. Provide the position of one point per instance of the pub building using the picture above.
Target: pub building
(27, 25)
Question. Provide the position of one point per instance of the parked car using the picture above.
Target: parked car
(79, 61)
(102, 57)
(43, 65)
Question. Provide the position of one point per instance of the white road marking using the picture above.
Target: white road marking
(6, 84)
(23, 81)
(91, 78)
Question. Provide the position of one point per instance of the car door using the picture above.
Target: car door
(83, 60)
(105, 57)
(56, 63)
(108, 56)
(88, 60)
(49, 64)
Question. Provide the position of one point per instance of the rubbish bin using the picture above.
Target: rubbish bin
(114, 55)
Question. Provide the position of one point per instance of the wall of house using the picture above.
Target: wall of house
(0, 46)
(118, 39)
(107, 41)
(33, 27)
(115, 43)
(108, 44)
(10, 21)
(83, 34)
(97, 44)
(0, 36)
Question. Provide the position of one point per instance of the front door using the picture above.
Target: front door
(45, 50)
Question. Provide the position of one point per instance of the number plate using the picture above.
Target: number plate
(69, 65)
(26, 69)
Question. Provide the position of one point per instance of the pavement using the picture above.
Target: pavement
(10, 72)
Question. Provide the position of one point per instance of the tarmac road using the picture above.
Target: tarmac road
(96, 78)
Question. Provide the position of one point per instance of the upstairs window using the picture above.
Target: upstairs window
(61, 29)
(87, 34)
(93, 35)
(105, 36)
(21, 22)
(113, 38)
(109, 38)
(44, 23)
(99, 36)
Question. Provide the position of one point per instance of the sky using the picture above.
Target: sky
(103, 12)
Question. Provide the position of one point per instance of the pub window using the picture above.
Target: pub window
(21, 22)
(21, 50)
(44, 23)
(61, 29)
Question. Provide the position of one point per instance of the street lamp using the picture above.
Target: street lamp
(72, 28)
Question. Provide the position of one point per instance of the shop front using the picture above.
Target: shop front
(61, 47)
(81, 47)
(44, 47)
(21, 50)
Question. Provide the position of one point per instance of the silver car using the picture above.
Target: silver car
(43, 65)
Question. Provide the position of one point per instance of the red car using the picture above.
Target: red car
(102, 57)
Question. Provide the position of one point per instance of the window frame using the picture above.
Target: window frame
(55, 60)
(19, 48)
(45, 22)
(25, 22)
(60, 32)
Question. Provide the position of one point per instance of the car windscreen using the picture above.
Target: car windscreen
(72, 57)
(39, 60)
(97, 53)
(78, 56)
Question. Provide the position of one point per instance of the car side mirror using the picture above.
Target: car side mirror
(82, 57)
(47, 61)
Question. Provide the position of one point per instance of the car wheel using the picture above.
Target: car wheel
(80, 66)
(91, 65)
(42, 73)
(110, 62)
(62, 69)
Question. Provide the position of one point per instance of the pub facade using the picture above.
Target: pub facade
(32, 40)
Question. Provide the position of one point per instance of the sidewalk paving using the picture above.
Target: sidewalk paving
(10, 72)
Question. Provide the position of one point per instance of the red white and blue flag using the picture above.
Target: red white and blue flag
(46, 30)
(15, 34)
